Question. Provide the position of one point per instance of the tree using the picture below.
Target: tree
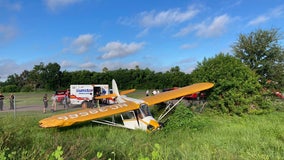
(52, 73)
(105, 69)
(236, 88)
(82, 77)
(36, 78)
(65, 79)
(261, 51)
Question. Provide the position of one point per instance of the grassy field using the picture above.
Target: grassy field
(208, 136)
(26, 98)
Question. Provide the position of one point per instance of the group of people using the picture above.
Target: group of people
(11, 99)
(66, 102)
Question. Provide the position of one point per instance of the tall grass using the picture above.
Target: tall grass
(207, 136)
(250, 137)
(211, 137)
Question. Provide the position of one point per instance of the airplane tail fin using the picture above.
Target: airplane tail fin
(115, 88)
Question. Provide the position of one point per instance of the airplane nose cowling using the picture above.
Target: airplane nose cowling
(153, 125)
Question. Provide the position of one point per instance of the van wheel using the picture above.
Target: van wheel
(90, 104)
(84, 105)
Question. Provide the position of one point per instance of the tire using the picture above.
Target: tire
(90, 105)
(84, 105)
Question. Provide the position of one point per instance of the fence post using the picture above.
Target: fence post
(14, 106)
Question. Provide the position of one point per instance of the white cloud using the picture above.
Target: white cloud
(188, 46)
(7, 32)
(66, 64)
(187, 61)
(81, 44)
(165, 18)
(274, 13)
(168, 17)
(118, 49)
(16, 6)
(88, 65)
(114, 65)
(10, 67)
(186, 30)
(215, 28)
(277, 12)
(77, 65)
(55, 4)
(258, 20)
(143, 33)
(189, 69)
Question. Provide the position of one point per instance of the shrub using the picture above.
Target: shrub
(182, 117)
(10, 88)
(236, 89)
(27, 88)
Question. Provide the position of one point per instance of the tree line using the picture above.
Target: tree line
(50, 77)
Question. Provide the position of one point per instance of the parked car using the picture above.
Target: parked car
(61, 94)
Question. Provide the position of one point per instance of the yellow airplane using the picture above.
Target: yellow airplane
(135, 113)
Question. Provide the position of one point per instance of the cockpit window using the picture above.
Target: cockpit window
(128, 115)
(145, 110)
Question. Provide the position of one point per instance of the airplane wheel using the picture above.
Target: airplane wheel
(84, 105)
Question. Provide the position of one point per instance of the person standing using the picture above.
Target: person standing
(154, 92)
(147, 93)
(97, 100)
(66, 101)
(12, 98)
(54, 99)
(1, 101)
(45, 103)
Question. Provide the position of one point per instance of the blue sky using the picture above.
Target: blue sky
(93, 34)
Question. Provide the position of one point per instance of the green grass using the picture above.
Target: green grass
(208, 136)
(214, 137)
(26, 98)
(249, 137)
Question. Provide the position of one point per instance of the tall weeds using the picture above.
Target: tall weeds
(188, 136)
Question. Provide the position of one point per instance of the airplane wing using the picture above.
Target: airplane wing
(165, 96)
(70, 118)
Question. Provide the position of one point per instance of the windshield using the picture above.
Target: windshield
(145, 110)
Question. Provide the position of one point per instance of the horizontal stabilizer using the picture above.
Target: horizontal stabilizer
(127, 91)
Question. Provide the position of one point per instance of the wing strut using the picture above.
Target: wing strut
(168, 109)
(105, 122)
